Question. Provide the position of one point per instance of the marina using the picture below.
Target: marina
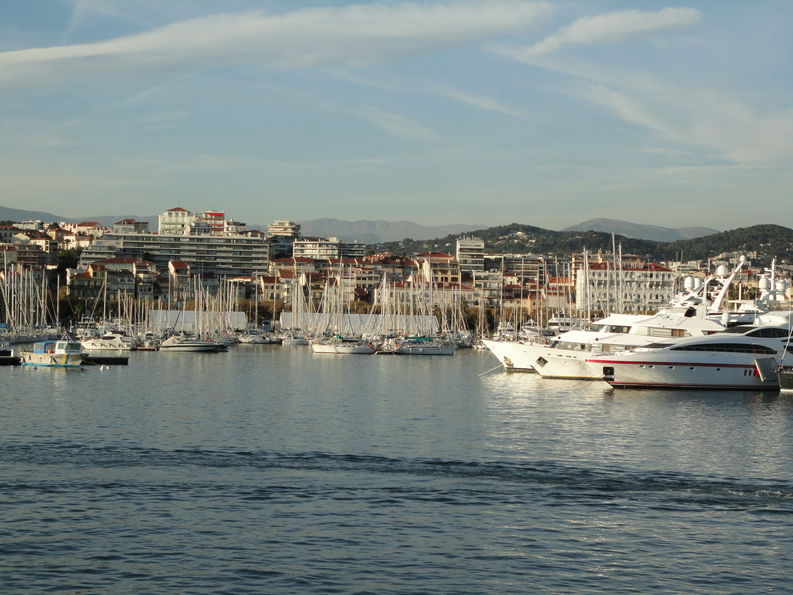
(396, 297)
(433, 476)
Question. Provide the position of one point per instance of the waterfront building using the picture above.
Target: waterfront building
(284, 228)
(224, 256)
(176, 221)
(487, 287)
(72, 241)
(444, 267)
(88, 283)
(278, 247)
(471, 254)
(37, 225)
(131, 226)
(635, 287)
(29, 255)
(180, 288)
(7, 232)
(214, 221)
(46, 243)
(320, 248)
(86, 228)
(300, 264)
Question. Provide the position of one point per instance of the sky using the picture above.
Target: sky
(437, 112)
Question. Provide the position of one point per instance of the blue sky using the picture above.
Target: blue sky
(488, 112)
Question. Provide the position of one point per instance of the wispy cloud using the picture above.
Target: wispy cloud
(395, 125)
(351, 35)
(683, 113)
(616, 26)
(483, 102)
(728, 128)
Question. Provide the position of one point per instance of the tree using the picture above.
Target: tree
(67, 259)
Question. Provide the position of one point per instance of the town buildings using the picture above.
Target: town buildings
(205, 249)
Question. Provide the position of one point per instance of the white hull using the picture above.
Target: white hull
(53, 354)
(510, 354)
(428, 349)
(737, 371)
(254, 341)
(738, 358)
(342, 348)
(547, 361)
(188, 345)
(51, 360)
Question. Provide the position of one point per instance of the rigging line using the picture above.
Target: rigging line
(488, 372)
(489, 353)
(588, 379)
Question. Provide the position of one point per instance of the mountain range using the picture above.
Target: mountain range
(375, 232)
(9, 214)
(642, 232)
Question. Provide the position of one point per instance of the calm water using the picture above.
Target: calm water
(272, 470)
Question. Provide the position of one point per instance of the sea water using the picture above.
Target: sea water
(270, 469)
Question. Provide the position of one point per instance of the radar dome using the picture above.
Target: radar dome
(688, 283)
(722, 271)
(764, 283)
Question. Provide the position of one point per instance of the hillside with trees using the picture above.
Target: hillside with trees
(771, 240)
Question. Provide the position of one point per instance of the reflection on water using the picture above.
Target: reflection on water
(268, 469)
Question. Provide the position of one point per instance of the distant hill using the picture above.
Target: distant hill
(9, 214)
(642, 232)
(373, 232)
(515, 238)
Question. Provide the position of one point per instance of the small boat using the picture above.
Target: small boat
(424, 346)
(341, 346)
(110, 341)
(54, 354)
(292, 339)
(190, 344)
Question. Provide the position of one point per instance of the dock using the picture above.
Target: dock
(105, 360)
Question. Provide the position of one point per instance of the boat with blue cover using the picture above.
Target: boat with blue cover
(54, 354)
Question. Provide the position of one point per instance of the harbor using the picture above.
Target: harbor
(433, 475)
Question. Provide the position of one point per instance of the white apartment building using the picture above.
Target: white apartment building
(229, 256)
(176, 221)
(637, 287)
(471, 254)
(322, 249)
(284, 228)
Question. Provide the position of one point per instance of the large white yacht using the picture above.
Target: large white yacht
(566, 354)
(699, 311)
(741, 357)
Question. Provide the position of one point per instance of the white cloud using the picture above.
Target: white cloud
(351, 35)
(727, 128)
(615, 26)
(680, 111)
(395, 125)
(486, 103)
